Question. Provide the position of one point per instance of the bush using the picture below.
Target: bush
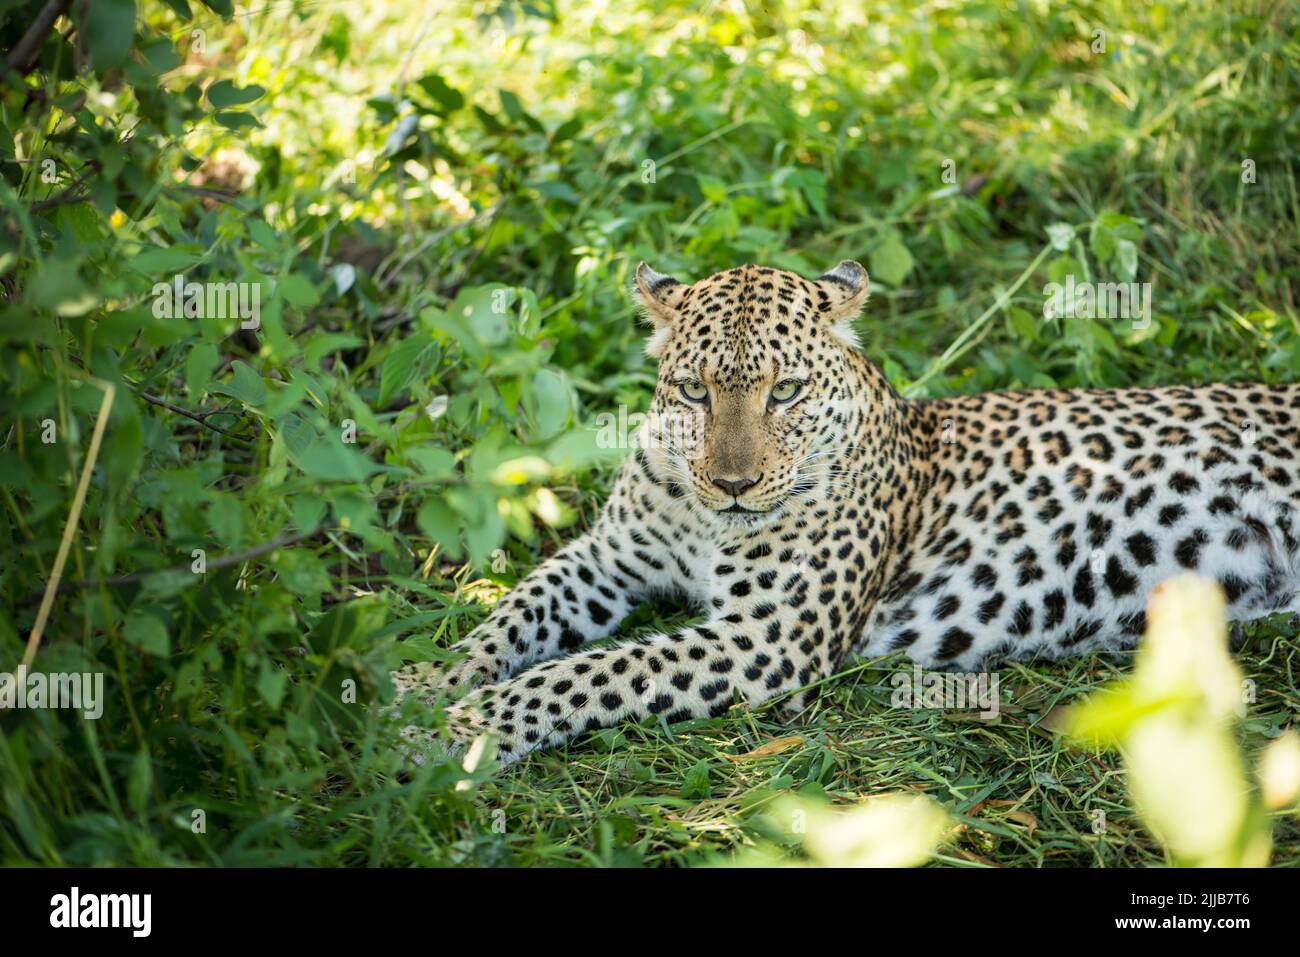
(431, 221)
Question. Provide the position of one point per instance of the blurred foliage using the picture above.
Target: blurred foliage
(439, 212)
(1174, 721)
(890, 830)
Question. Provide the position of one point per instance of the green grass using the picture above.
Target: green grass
(1021, 795)
(765, 149)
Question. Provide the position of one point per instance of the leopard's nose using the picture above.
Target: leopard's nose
(734, 486)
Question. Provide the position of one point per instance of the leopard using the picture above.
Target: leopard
(810, 514)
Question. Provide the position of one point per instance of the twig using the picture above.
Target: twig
(69, 529)
(73, 194)
(225, 561)
(963, 341)
(25, 49)
(384, 275)
(199, 417)
(221, 196)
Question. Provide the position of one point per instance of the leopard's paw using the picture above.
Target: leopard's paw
(475, 670)
(468, 738)
(427, 680)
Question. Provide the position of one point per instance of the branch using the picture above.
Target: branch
(65, 198)
(225, 561)
(221, 196)
(73, 194)
(25, 50)
(199, 417)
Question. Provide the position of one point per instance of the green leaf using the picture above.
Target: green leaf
(447, 97)
(695, 783)
(199, 366)
(223, 93)
(263, 235)
(337, 37)
(1023, 323)
(237, 121)
(891, 262)
(485, 310)
(123, 450)
(550, 402)
(271, 683)
(148, 634)
(161, 262)
(328, 458)
(139, 782)
(245, 385)
(226, 519)
(161, 55)
(433, 462)
(400, 367)
(302, 573)
(57, 286)
(439, 523)
(530, 314)
(511, 105)
(298, 290)
(108, 32)
(1126, 259)
(307, 511)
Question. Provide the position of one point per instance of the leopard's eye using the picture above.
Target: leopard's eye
(786, 390)
(693, 391)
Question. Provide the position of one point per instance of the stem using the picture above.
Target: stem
(962, 342)
(69, 529)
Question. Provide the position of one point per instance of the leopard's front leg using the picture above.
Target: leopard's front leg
(578, 595)
(689, 674)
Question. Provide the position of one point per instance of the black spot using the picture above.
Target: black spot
(1118, 579)
(1023, 620)
(1084, 591)
(989, 610)
(599, 613)
(1170, 514)
(1234, 587)
(984, 577)
(1054, 607)
(1188, 551)
(1134, 624)
(903, 639)
(946, 607)
(1142, 548)
(955, 641)
(1082, 632)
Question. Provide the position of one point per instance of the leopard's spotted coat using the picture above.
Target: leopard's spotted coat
(848, 519)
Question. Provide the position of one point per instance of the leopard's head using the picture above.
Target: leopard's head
(754, 384)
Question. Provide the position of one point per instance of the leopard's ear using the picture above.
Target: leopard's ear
(662, 297)
(840, 295)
